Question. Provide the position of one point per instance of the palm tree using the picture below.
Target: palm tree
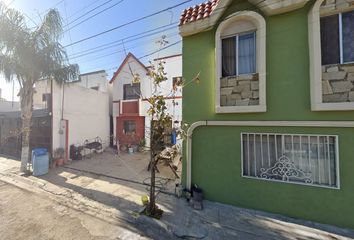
(31, 54)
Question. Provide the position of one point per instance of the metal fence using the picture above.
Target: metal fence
(10, 132)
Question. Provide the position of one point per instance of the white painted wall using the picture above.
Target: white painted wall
(125, 77)
(87, 111)
(9, 106)
(173, 68)
(87, 80)
(110, 93)
(41, 87)
(94, 79)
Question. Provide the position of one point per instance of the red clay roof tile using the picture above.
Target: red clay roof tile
(198, 12)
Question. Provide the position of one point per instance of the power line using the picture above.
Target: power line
(114, 52)
(86, 19)
(253, 8)
(128, 23)
(160, 49)
(83, 15)
(144, 56)
(67, 18)
(132, 46)
(66, 15)
(135, 35)
(81, 9)
(119, 42)
(152, 53)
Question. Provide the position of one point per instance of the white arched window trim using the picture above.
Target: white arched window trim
(260, 24)
(314, 32)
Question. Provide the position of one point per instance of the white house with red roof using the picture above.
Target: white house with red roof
(131, 122)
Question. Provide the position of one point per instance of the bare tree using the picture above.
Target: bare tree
(160, 118)
(29, 55)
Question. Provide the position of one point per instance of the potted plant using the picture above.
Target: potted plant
(59, 156)
(130, 149)
(142, 145)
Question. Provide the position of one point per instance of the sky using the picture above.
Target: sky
(90, 54)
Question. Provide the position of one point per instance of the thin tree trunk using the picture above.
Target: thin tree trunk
(152, 169)
(26, 96)
(152, 186)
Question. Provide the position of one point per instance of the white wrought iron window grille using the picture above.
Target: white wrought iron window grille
(293, 158)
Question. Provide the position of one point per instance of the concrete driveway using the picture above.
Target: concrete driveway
(128, 167)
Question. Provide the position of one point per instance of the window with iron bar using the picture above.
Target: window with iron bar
(293, 158)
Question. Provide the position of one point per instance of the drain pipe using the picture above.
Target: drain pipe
(323, 124)
(189, 151)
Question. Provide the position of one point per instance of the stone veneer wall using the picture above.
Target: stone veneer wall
(338, 83)
(329, 7)
(337, 79)
(242, 90)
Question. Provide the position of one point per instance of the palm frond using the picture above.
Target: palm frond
(7, 67)
(12, 28)
(51, 27)
(35, 54)
(66, 73)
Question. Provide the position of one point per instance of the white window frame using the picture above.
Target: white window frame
(314, 32)
(260, 24)
(337, 187)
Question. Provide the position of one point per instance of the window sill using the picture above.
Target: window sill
(130, 100)
(241, 109)
(338, 64)
(244, 76)
(288, 182)
(340, 106)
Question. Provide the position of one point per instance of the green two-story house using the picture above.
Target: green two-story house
(272, 120)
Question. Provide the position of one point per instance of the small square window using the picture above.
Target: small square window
(131, 91)
(176, 82)
(46, 97)
(129, 127)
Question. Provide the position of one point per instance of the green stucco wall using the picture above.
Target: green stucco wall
(216, 161)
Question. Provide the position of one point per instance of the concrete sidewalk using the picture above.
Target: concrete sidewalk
(119, 202)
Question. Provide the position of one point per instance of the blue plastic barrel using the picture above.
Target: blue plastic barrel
(173, 137)
(40, 161)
